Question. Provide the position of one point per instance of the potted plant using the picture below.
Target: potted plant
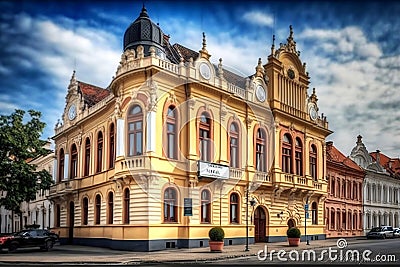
(293, 235)
(216, 241)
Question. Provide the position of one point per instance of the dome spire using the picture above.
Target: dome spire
(143, 13)
(203, 52)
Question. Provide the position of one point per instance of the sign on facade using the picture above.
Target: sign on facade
(187, 207)
(212, 170)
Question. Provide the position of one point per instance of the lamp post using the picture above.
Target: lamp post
(305, 221)
(252, 203)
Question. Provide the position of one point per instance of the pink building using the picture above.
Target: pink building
(344, 202)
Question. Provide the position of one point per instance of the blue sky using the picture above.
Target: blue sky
(351, 49)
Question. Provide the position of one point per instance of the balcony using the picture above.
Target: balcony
(235, 173)
(132, 165)
(63, 187)
(292, 180)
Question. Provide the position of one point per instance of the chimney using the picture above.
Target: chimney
(378, 159)
(391, 163)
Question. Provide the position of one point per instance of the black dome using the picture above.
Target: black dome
(144, 32)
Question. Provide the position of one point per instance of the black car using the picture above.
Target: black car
(42, 238)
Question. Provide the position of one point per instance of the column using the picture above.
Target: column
(55, 168)
(151, 131)
(120, 144)
(66, 166)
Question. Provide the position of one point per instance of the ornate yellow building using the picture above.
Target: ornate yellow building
(176, 145)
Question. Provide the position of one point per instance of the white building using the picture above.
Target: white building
(380, 187)
(38, 211)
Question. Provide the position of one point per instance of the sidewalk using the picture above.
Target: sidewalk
(83, 254)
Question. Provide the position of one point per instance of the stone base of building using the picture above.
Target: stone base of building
(273, 239)
(150, 245)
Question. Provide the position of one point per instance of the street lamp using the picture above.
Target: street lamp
(253, 202)
(305, 221)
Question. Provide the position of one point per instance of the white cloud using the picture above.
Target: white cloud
(259, 18)
(351, 75)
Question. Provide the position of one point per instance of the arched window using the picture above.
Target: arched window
(314, 213)
(97, 210)
(74, 161)
(261, 150)
(171, 133)
(234, 208)
(58, 215)
(111, 156)
(313, 162)
(299, 156)
(333, 220)
(287, 154)
(85, 211)
(333, 186)
(135, 131)
(205, 137)
(126, 205)
(99, 152)
(205, 206)
(86, 169)
(170, 205)
(110, 205)
(61, 165)
(234, 145)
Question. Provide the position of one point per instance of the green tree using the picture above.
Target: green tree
(20, 143)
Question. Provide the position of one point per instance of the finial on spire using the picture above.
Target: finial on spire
(143, 13)
(291, 31)
(359, 139)
(220, 70)
(204, 41)
(203, 51)
(273, 45)
(259, 69)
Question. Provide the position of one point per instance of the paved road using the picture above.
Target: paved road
(387, 251)
(376, 252)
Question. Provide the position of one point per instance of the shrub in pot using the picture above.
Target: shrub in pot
(216, 241)
(293, 235)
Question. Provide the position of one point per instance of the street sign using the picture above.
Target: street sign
(307, 215)
(187, 207)
(306, 207)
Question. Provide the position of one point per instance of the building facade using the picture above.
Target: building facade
(37, 212)
(381, 187)
(176, 145)
(344, 203)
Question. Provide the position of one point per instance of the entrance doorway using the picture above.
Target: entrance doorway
(71, 222)
(260, 222)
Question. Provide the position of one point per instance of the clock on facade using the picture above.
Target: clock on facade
(205, 71)
(313, 112)
(260, 93)
(72, 112)
(291, 74)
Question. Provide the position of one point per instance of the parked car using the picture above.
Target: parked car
(396, 232)
(381, 232)
(44, 239)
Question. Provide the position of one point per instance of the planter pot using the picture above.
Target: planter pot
(216, 246)
(294, 241)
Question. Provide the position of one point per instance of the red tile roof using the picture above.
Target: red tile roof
(334, 155)
(92, 94)
(392, 165)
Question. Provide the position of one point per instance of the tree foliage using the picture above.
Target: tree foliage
(20, 143)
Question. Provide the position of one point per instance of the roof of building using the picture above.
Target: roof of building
(334, 155)
(392, 165)
(92, 94)
(187, 53)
